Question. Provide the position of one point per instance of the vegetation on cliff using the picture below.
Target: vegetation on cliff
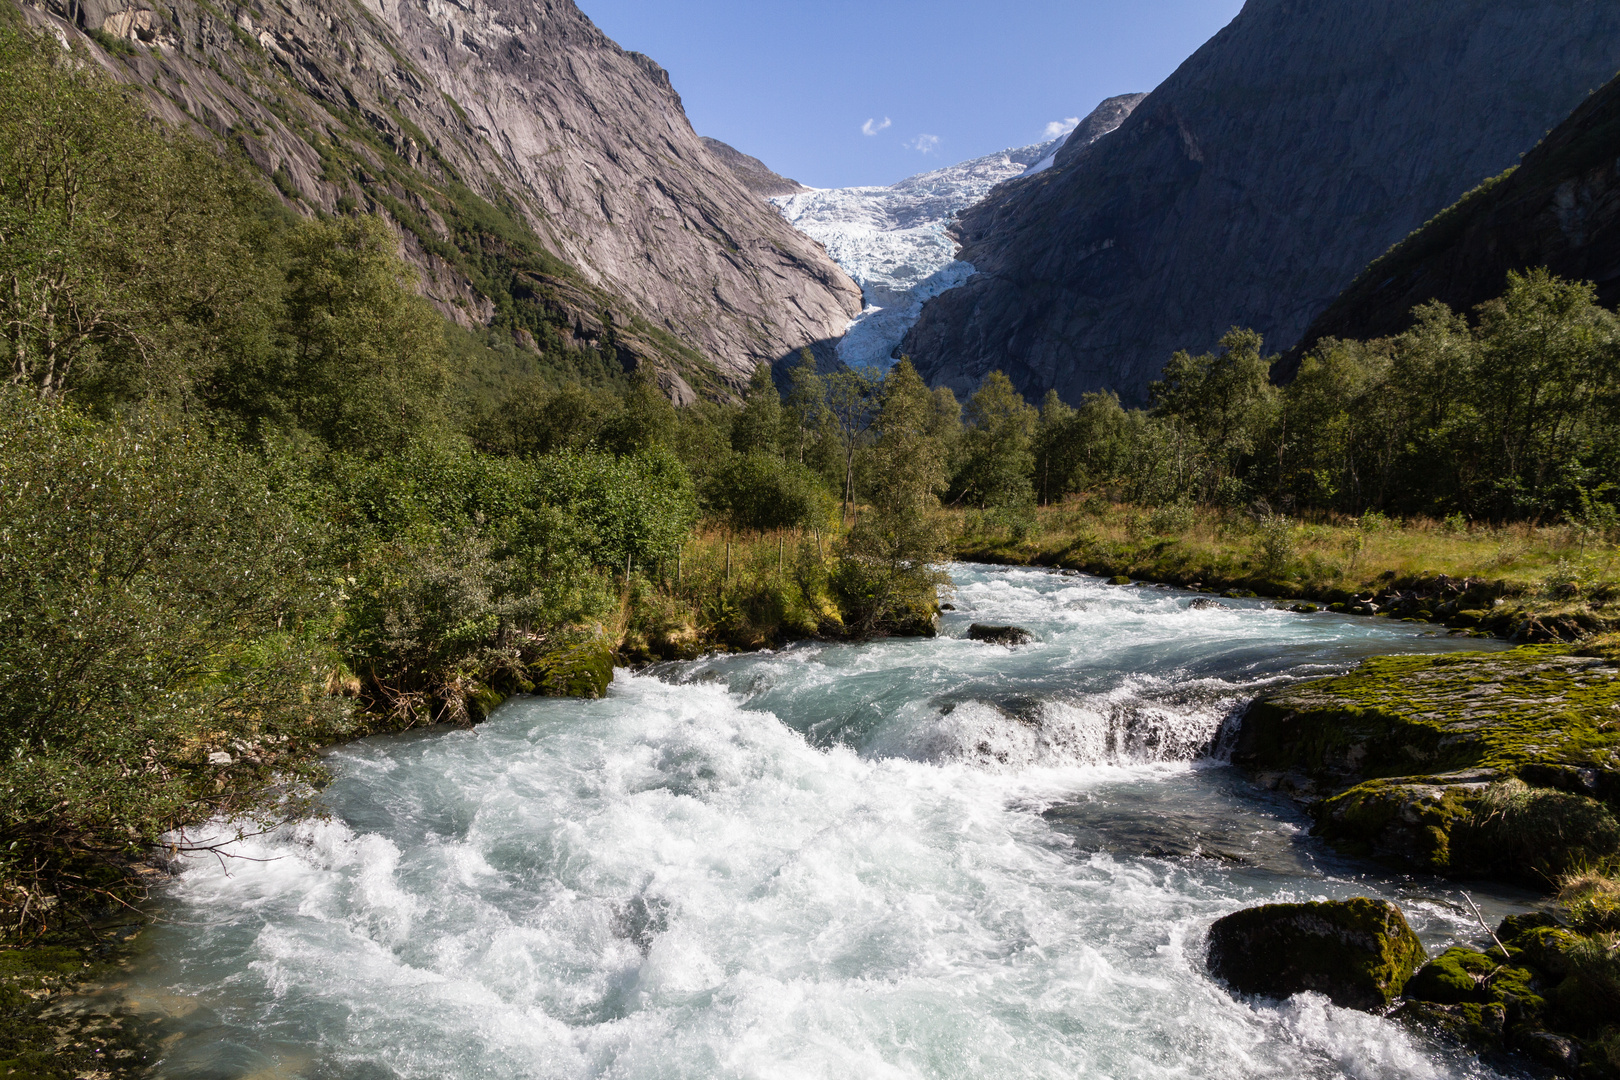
(250, 503)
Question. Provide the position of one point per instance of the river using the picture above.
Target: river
(904, 859)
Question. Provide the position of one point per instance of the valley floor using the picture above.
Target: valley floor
(1524, 582)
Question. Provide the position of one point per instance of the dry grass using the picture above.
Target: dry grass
(1552, 569)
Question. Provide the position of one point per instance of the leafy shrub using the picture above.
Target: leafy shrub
(1171, 519)
(760, 491)
(1275, 543)
(637, 508)
(155, 603)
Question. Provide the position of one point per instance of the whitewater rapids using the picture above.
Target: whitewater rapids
(907, 859)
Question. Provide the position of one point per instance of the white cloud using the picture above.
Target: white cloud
(872, 127)
(1061, 127)
(924, 144)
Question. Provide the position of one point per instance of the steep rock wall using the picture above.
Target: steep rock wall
(1559, 209)
(1255, 183)
(530, 162)
(755, 175)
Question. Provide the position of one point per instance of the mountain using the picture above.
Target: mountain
(543, 179)
(1254, 184)
(755, 175)
(894, 241)
(1560, 209)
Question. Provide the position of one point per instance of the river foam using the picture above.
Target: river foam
(906, 859)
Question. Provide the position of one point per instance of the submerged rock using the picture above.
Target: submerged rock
(1359, 953)
(1000, 635)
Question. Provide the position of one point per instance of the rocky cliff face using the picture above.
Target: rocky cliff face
(755, 175)
(1255, 183)
(542, 176)
(1559, 209)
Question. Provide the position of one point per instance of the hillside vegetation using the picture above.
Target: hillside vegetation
(256, 495)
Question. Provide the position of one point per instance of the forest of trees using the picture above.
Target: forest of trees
(256, 494)
(1508, 413)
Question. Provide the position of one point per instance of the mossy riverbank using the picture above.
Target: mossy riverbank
(1498, 765)
(1502, 765)
(1522, 582)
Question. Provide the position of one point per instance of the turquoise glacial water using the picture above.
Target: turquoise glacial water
(904, 859)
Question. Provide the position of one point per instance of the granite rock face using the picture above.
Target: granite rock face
(1254, 184)
(408, 107)
(1559, 209)
(755, 175)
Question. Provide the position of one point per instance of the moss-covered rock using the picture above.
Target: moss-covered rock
(1481, 1025)
(1413, 752)
(1471, 823)
(1418, 715)
(1360, 953)
(1554, 997)
(582, 670)
(1409, 820)
(1461, 976)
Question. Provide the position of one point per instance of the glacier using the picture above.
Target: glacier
(893, 241)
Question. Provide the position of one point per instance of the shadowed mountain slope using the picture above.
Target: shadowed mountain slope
(1559, 209)
(1254, 184)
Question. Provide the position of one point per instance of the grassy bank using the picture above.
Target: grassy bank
(730, 591)
(1536, 583)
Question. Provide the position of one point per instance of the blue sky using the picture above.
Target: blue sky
(795, 82)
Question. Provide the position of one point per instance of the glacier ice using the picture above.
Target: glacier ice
(892, 241)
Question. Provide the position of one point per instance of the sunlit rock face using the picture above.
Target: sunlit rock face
(400, 105)
(1254, 184)
(895, 241)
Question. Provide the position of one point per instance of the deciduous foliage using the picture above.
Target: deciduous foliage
(997, 447)
(365, 363)
(156, 602)
(1511, 414)
(122, 244)
(890, 576)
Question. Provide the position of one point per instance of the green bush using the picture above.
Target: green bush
(759, 491)
(637, 508)
(155, 604)
(1275, 546)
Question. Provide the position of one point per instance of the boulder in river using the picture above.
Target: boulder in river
(1000, 635)
(581, 670)
(1358, 952)
(1502, 765)
(1471, 824)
